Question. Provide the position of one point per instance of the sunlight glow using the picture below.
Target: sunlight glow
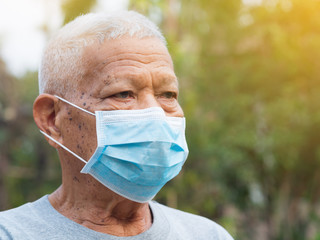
(26, 25)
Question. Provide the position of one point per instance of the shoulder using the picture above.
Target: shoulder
(192, 225)
(14, 222)
(15, 215)
(11, 221)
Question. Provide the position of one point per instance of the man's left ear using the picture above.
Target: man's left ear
(45, 110)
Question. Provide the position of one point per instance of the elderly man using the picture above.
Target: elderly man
(108, 104)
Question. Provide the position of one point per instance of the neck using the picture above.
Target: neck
(94, 206)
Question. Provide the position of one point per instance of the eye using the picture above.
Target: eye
(125, 94)
(169, 95)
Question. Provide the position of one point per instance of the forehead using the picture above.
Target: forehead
(124, 58)
(143, 51)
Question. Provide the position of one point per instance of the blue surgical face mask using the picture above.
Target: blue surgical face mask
(138, 151)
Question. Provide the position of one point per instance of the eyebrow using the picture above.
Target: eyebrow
(169, 80)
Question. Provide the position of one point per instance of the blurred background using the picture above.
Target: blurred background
(249, 85)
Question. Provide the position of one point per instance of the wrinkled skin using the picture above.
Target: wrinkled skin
(126, 73)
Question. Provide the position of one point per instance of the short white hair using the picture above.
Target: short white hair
(61, 68)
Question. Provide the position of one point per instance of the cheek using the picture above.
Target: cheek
(87, 140)
(179, 112)
(79, 133)
(172, 108)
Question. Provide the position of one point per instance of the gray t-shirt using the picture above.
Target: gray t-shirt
(39, 220)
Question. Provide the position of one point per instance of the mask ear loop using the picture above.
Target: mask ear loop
(63, 100)
(65, 148)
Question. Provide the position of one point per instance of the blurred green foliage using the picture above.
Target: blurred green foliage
(74, 8)
(250, 90)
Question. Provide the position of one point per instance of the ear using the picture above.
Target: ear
(45, 110)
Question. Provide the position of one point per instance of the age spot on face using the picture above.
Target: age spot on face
(76, 179)
(107, 81)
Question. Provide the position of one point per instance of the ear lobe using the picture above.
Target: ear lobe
(45, 109)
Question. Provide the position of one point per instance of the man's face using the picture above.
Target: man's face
(121, 74)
